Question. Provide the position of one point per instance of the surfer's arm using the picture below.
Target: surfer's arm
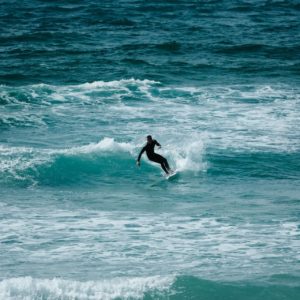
(157, 144)
(140, 155)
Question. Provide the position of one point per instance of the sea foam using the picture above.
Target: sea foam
(25, 288)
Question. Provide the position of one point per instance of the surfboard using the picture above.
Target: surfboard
(171, 175)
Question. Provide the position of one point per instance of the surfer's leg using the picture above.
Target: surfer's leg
(162, 161)
(166, 164)
(164, 168)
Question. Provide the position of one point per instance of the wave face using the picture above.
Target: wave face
(82, 83)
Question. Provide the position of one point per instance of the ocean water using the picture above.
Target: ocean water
(81, 85)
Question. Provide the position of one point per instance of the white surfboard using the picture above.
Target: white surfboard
(172, 174)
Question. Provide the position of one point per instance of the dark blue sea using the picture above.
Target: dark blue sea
(216, 83)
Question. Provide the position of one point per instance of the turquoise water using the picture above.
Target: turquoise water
(83, 83)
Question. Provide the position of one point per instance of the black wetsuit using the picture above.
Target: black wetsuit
(149, 148)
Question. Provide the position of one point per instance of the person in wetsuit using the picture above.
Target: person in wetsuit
(149, 148)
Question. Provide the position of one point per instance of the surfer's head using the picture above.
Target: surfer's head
(149, 138)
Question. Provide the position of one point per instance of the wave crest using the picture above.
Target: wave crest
(117, 288)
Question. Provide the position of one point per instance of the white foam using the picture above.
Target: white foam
(188, 156)
(14, 159)
(239, 117)
(117, 83)
(258, 118)
(28, 288)
(118, 239)
(106, 144)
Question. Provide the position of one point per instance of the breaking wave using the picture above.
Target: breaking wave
(155, 287)
(106, 159)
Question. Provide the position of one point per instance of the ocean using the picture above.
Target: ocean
(216, 83)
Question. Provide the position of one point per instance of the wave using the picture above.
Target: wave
(155, 287)
(52, 94)
(110, 159)
(97, 92)
(40, 105)
(64, 166)
(118, 288)
(105, 159)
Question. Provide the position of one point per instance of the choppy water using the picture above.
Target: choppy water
(83, 83)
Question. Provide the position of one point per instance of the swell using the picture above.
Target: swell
(184, 30)
(279, 52)
(268, 165)
(189, 287)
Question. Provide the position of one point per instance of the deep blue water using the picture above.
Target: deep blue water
(81, 85)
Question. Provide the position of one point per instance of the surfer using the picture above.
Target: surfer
(149, 148)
